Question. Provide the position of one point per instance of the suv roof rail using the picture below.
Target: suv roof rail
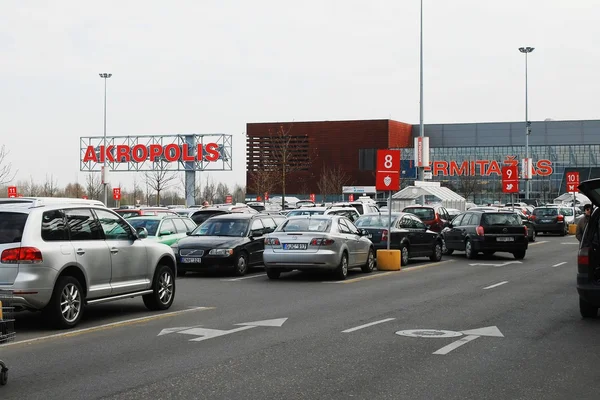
(42, 201)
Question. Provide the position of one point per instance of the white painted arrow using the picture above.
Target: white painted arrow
(207, 333)
(472, 334)
(487, 331)
(497, 265)
(278, 322)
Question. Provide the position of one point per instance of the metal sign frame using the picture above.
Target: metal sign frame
(223, 163)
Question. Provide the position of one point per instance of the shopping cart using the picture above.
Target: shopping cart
(7, 329)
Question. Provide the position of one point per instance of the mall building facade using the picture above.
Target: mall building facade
(467, 157)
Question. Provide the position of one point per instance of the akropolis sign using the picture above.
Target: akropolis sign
(141, 153)
(484, 167)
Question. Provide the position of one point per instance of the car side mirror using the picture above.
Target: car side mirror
(142, 232)
(256, 233)
(166, 232)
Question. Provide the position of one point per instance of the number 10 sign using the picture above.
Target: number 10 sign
(510, 179)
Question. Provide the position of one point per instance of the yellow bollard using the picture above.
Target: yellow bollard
(0, 310)
(572, 229)
(388, 260)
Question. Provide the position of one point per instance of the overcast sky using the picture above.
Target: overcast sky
(213, 66)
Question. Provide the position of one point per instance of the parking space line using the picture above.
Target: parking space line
(495, 285)
(559, 264)
(106, 326)
(577, 243)
(368, 325)
(241, 279)
(536, 243)
(403, 270)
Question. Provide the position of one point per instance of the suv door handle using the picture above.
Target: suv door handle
(114, 250)
(80, 252)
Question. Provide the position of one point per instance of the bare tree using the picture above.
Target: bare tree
(6, 174)
(93, 186)
(50, 186)
(138, 192)
(210, 190)
(263, 180)
(160, 179)
(239, 194)
(222, 192)
(468, 185)
(331, 181)
(74, 190)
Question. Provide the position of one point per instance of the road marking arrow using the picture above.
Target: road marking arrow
(207, 333)
(278, 322)
(491, 331)
(497, 265)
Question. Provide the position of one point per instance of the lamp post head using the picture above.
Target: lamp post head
(526, 49)
(105, 75)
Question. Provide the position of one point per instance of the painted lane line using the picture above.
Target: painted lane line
(577, 243)
(455, 345)
(536, 243)
(559, 264)
(495, 285)
(368, 325)
(241, 279)
(106, 326)
(403, 270)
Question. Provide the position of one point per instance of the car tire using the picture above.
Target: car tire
(587, 310)
(445, 250)
(469, 252)
(163, 290)
(240, 268)
(533, 234)
(341, 272)
(273, 273)
(519, 255)
(437, 252)
(564, 231)
(404, 255)
(67, 289)
(370, 265)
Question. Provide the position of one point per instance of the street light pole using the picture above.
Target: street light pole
(105, 76)
(421, 170)
(526, 50)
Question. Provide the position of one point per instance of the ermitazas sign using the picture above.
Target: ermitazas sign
(484, 167)
(153, 152)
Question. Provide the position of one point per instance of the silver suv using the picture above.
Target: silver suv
(59, 257)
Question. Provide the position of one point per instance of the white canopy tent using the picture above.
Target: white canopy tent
(580, 199)
(432, 191)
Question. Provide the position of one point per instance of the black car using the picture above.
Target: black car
(526, 222)
(549, 220)
(588, 258)
(487, 232)
(233, 241)
(407, 234)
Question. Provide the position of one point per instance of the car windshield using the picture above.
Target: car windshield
(501, 219)
(11, 227)
(222, 227)
(151, 225)
(545, 212)
(567, 212)
(304, 211)
(306, 225)
(426, 214)
(376, 221)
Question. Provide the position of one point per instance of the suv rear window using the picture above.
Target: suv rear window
(545, 212)
(426, 214)
(503, 219)
(11, 227)
(306, 225)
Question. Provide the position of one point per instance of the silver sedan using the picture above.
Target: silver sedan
(322, 242)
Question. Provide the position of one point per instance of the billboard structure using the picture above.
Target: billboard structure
(189, 153)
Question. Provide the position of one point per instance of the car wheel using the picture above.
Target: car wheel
(445, 249)
(519, 255)
(469, 252)
(564, 231)
(533, 235)
(437, 252)
(240, 267)
(66, 304)
(273, 273)
(587, 310)
(163, 290)
(404, 255)
(370, 265)
(341, 272)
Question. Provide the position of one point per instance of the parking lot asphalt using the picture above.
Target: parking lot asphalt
(490, 328)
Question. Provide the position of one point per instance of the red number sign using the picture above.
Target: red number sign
(117, 193)
(510, 179)
(572, 182)
(313, 197)
(266, 196)
(388, 170)
(12, 191)
(85, 197)
(350, 197)
(228, 199)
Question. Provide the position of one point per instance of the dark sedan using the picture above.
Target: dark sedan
(407, 233)
(487, 232)
(231, 241)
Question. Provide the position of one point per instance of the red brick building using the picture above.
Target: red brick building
(315, 146)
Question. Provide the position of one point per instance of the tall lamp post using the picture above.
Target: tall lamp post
(526, 50)
(421, 170)
(105, 76)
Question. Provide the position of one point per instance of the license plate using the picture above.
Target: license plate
(505, 239)
(295, 246)
(191, 260)
(546, 221)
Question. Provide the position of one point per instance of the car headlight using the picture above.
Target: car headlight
(220, 252)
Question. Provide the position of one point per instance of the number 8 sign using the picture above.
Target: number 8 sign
(388, 170)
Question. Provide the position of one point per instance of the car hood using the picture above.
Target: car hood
(210, 241)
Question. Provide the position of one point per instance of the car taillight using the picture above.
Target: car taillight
(532, 217)
(384, 235)
(583, 259)
(25, 255)
(480, 230)
(560, 218)
(272, 242)
(321, 242)
(526, 231)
